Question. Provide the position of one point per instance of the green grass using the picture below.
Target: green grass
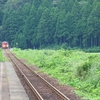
(75, 68)
(1, 58)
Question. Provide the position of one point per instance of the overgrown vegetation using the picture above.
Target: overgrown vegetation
(71, 67)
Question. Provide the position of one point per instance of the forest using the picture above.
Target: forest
(47, 23)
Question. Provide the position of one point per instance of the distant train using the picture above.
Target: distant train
(5, 45)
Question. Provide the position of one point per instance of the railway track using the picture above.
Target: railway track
(42, 89)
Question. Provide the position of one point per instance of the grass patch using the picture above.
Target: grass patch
(1, 57)
(75, 68)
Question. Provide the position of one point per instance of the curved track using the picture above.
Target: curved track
(42, 89)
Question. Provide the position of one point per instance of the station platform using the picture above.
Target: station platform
(10, 85)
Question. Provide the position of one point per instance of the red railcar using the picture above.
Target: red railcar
(5, 45)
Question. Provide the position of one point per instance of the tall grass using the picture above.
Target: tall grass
(75, 68)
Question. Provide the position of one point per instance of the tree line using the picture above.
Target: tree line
(43, 23)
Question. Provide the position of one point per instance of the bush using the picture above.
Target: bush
(93, 49)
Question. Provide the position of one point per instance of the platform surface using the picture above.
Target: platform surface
(9, 77)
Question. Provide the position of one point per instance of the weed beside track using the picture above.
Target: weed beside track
(75, 68)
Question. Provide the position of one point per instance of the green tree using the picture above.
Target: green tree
(60, 34)
(9, 25)
(86, 11)
(1, 17)
(20, 41)
(43, 28)
(94, 26)
(69, 5)
(76, 16)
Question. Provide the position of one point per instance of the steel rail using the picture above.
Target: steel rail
(28, 82)
(51, 86)
(64, 97)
